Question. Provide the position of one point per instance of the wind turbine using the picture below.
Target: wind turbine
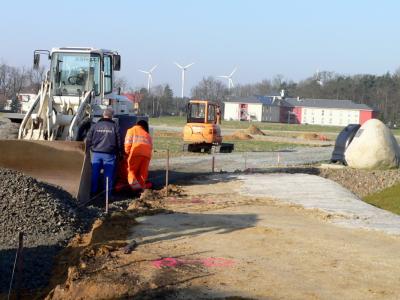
(149, 76)
(229, 77)
(318, 78)
(183, 74)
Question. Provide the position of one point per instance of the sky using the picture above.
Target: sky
(260, 38)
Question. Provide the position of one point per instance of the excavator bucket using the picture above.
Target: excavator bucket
(62, 163)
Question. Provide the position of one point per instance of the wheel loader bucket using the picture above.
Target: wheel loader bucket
(61, 163)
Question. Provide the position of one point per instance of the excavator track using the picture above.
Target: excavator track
(209, 148)
(62, 163)
(224, 148)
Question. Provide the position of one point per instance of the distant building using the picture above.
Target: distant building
(298, 110)
(25, 102)
(135, 97)
(254, 108)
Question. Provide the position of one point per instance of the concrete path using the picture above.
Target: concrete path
(312, 191)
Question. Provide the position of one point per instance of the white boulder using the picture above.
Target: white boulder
(373, 147)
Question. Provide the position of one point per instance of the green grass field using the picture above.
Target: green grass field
(169, 121)
(175, 145)
(396, 131)
(388, 199)
(161, 144)
(181, 121)
(260, 146)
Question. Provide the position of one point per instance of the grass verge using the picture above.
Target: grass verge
(181, 121)
(174, 144)
(168, 121)
(260, 146)
(388, 199)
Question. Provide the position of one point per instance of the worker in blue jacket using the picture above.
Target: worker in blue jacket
(104, 142)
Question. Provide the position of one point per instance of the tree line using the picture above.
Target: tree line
(381, 92)
(14, 80)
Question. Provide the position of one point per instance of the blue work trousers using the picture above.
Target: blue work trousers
(105, 161)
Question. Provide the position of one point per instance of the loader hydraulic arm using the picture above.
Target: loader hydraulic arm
(80, 116)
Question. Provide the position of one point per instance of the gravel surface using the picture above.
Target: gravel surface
(48, 217)
(8, 130)
(359, 182)
(240, 161)
(362, 182)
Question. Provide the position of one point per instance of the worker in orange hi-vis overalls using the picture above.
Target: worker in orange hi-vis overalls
(138, 147)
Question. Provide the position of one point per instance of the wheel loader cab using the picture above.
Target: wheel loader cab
(77, 88)
(74, 73)
(202, 123)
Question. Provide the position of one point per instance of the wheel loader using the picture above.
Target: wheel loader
(202, 132)
(77, 89)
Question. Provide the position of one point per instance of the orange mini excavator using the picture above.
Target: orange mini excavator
(202, 132)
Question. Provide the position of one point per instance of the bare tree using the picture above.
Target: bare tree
(121, 83)
(12, 80)
(211, 89)
(35, 78)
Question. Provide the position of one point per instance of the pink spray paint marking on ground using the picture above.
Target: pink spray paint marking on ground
(209, 262)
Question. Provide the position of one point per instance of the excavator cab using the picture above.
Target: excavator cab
(203, 112)
(202, 132)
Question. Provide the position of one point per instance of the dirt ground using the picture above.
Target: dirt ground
(207, 242)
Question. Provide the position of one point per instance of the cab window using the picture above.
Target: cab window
(196, 113)
(107, 75)
(211, 113)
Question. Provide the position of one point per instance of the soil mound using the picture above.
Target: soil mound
(46, 214)
(238, 135)
(48, 217)
(309, 136)
(254, 130)
(154, 199)
(313, 136)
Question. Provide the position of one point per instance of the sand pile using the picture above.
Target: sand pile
(309, 136)
(154, 199)
(313, 136)
(238, 135)
(254, 130)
